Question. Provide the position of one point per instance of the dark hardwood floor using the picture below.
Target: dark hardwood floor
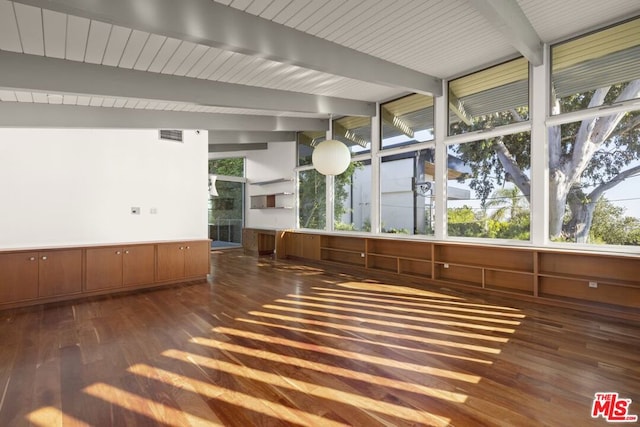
(268, 343)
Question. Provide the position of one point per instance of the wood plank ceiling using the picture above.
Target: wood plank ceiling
(433, 37)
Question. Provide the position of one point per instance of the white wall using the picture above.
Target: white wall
(77, 186)
(278, 161)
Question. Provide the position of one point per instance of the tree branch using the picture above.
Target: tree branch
(594, 132)
(512, 168)
(602, 188)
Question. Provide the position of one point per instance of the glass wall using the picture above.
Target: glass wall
(594, 162)
(488, 188)
(352, 198)
(586, 169)
(227, 207)
(407, 197)
(312, 199)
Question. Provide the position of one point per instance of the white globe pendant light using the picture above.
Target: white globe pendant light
(331, 157)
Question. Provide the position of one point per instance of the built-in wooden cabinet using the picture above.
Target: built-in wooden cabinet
(31, 275)
(34, 276)
(610, 282)
(303, 245)
(118, 266)
(182, 260)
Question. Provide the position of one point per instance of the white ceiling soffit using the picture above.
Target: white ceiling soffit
(18, 114)
(213, 24)
(509, 19)
(42, 74)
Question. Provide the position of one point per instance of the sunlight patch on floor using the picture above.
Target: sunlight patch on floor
(309, 388)
(49, 416)
(243, 400)
(157, 411)
(369, 331)
(334, 370)
(364, 341)
(422, 369)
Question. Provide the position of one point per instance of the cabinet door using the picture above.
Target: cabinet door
(104, 268)
(170, 261)
(196, 259)
(311, 246)
(293, 244)
(138, 264)
(60, 272)
(18, 276)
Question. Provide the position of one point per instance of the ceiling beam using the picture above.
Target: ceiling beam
(247, 137)
(223, 148)
(41, 74)
(509, 19)
(18, 114)
(213, 24)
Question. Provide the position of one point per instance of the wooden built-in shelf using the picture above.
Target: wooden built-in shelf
(551, 276)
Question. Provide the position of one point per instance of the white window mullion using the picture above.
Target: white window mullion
(440, 131)
(376, 142)
(539, 198)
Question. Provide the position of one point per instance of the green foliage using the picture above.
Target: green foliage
(312, 199)
(230, 167)
(611, 226)
(463, 222)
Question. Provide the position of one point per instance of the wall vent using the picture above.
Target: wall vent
(171, 135)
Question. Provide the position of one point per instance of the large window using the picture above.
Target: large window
(312, 199)
(407, 198)
(407, 120)
(226, 201)
(594, 176)
(489, 98)
(488, 188)
(601, 68)
(594, 161)
(352, 198)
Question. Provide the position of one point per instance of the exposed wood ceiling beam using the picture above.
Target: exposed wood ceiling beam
(246, 137)
(396, 122)
(41, 74)
(213, 24)
(510, 20)
(18, 114)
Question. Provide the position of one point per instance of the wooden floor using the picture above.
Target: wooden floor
(269, 343)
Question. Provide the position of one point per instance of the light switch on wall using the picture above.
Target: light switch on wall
(135, 211)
